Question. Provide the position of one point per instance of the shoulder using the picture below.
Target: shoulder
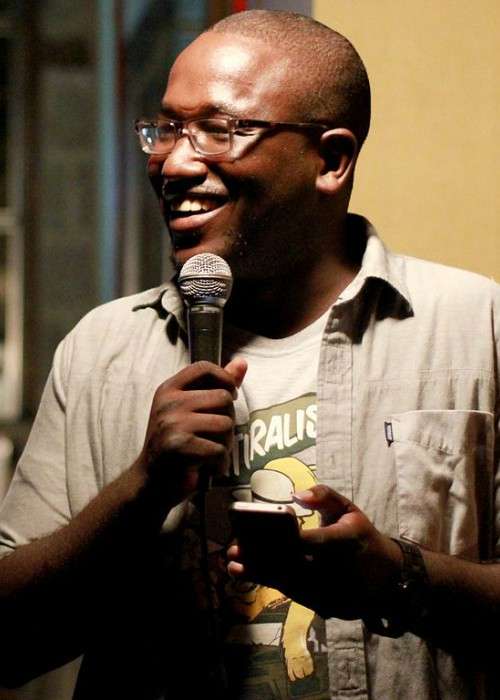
(434, 283)
(112, 333)
(123, 310)
(419, 269)
(422, 282)
(461, 305)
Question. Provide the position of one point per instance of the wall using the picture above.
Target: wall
(61, 244)
(428, 176)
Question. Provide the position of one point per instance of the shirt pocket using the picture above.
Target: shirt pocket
(444, 466)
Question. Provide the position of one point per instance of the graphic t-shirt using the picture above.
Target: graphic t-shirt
(273, 647)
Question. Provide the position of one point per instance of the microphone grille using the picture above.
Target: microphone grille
(205, 278)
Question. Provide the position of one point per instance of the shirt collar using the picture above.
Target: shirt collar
(166, 301)
(377, 263)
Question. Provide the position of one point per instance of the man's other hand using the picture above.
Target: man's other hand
(345, 568)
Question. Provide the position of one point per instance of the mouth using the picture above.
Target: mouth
(194, 209)
(194, 205)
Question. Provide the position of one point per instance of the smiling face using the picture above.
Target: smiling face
(256, 209)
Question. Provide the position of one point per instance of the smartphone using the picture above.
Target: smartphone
(265, 530)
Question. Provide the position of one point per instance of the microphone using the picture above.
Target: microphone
(205, 283)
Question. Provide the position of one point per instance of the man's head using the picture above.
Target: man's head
(270, 203)
(329, 80)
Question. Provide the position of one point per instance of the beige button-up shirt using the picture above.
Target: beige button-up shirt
(407, 397)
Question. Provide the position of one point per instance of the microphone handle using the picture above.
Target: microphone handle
(205, 332)
(205, 343)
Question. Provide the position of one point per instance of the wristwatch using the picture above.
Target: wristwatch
(408, 597)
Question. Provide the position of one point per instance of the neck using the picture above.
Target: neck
(281, 306)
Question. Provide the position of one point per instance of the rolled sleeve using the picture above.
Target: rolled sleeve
(37, 501)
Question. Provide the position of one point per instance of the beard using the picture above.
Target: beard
(267, 246)
(235, 250)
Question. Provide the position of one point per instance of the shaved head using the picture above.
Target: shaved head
(329, 82)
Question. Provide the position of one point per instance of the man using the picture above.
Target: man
(352, 376)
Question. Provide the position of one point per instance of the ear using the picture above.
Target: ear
(339, 150)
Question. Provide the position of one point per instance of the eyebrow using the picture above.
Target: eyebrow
(207, 110)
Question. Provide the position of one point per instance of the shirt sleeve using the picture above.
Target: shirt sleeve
(36, 503)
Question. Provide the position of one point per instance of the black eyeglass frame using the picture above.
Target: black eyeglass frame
(181, 127)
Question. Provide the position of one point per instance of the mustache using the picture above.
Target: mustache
(171, 189)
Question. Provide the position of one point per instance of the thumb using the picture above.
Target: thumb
(237, 369)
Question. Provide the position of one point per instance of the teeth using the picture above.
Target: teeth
(193, 205)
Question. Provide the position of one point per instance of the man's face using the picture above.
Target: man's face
(254, 209)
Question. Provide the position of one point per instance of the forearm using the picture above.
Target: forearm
(464, 605)
(60, 582)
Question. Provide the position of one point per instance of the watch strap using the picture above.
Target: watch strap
(407, 607)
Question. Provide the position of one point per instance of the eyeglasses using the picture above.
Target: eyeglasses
(212, 137)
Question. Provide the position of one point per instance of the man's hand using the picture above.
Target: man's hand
(345, 566)
(191, 427)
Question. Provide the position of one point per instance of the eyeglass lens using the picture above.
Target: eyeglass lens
(209, 136)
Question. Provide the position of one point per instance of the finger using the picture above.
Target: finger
(174, 434)
(236, 569)
(234, 551)
(329, 503)
(196, 423)
(182, 446)
(341, 532)
(210, 376)
(235, 566)
(213, 401)
(200, 400)
(202, 374)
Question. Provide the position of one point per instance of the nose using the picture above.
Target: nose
(183, 161)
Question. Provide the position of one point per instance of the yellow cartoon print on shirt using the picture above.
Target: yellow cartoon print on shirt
(276, 482)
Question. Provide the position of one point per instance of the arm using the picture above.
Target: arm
(53, 582)
(348, 569)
